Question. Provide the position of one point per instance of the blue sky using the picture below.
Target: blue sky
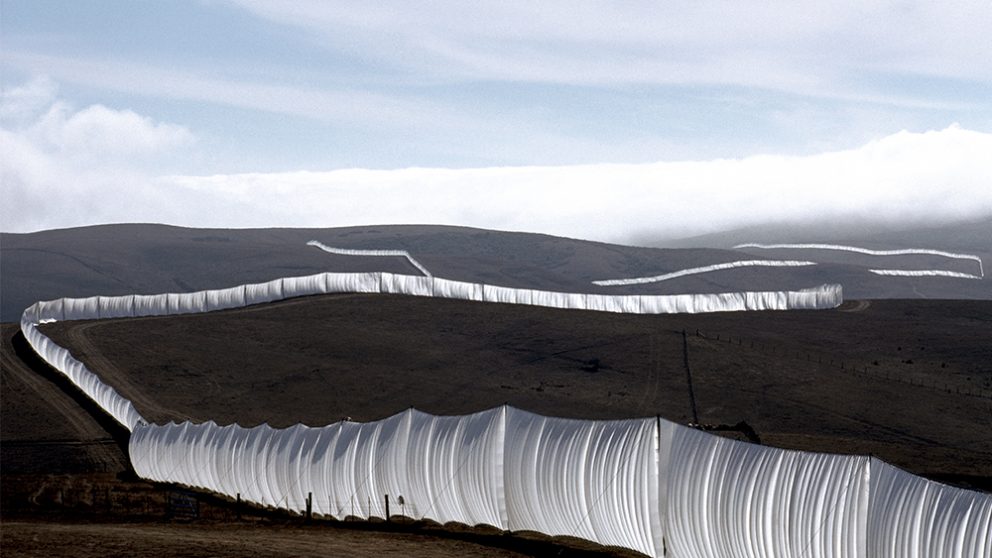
(147, 100)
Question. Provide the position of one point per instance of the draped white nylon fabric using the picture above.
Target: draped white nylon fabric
(623, 304)
(407, 284)
(506, 295)
(82, 308)
(445, 288)
(558, 300)
(912, 517)
(62, 360)
(353, 252)
(304, 286)
(699, 270)
(115, 306)
(224, 299)
(728, 499)
(924, 273)
(260, 293)
(595, 480)
(151, 305)
(645, 484)
(867, 251)
(354, 282)
(463, 456)
(811, 299)
(48, 310)
(187, 303)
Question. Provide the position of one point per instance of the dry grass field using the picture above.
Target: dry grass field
(909, 381)
(883, 378)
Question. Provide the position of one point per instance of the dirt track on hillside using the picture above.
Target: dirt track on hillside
(41, 425)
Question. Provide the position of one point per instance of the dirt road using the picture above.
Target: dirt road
(99, 540)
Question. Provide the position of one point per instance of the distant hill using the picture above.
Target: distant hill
(143, 258)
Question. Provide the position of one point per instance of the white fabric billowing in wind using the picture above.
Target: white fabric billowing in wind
(506, 295)
(96, 307)
(460, 290)
(622, 304)
(354, 282)
(224, 299)
(553, 299)
(445, 468)
(912, 517)
(187, 303)
(727, 498)
(870, 252)
(463, 456)
(59, 358)
(825, 296)
(260, 293)
(115, 306)
(353, 252)
(699, 270)
(414, 285)
(595, 480)
(82, 308)
(304, 286)
(151, 305)
(47, 310)
(648, 485)
(923, 273)
(645, 484)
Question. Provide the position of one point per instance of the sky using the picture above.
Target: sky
(599, 120)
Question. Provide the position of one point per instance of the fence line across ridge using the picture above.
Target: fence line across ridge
(645, 484)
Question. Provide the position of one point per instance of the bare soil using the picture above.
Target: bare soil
(222, 540)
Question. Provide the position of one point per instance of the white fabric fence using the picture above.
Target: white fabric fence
(644, 484)
(700, 270)
(135, 306)
(870, 252)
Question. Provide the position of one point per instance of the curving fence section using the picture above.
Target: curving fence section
(353, 252)
(645, 484)
(729, 498)
(700, 270)
(899, 252)
(923, 273)
(136, 306)
(913, 517)
(60, 359)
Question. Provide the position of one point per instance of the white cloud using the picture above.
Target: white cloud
(24, 102)
(931, 177)
(97, 164)
(98, 131)
(64, 167)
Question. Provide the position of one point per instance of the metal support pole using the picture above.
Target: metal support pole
(688, 375)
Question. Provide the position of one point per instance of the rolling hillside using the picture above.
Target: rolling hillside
(148, 259)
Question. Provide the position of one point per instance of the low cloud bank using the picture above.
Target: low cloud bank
(920, 178)
(67, 167)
